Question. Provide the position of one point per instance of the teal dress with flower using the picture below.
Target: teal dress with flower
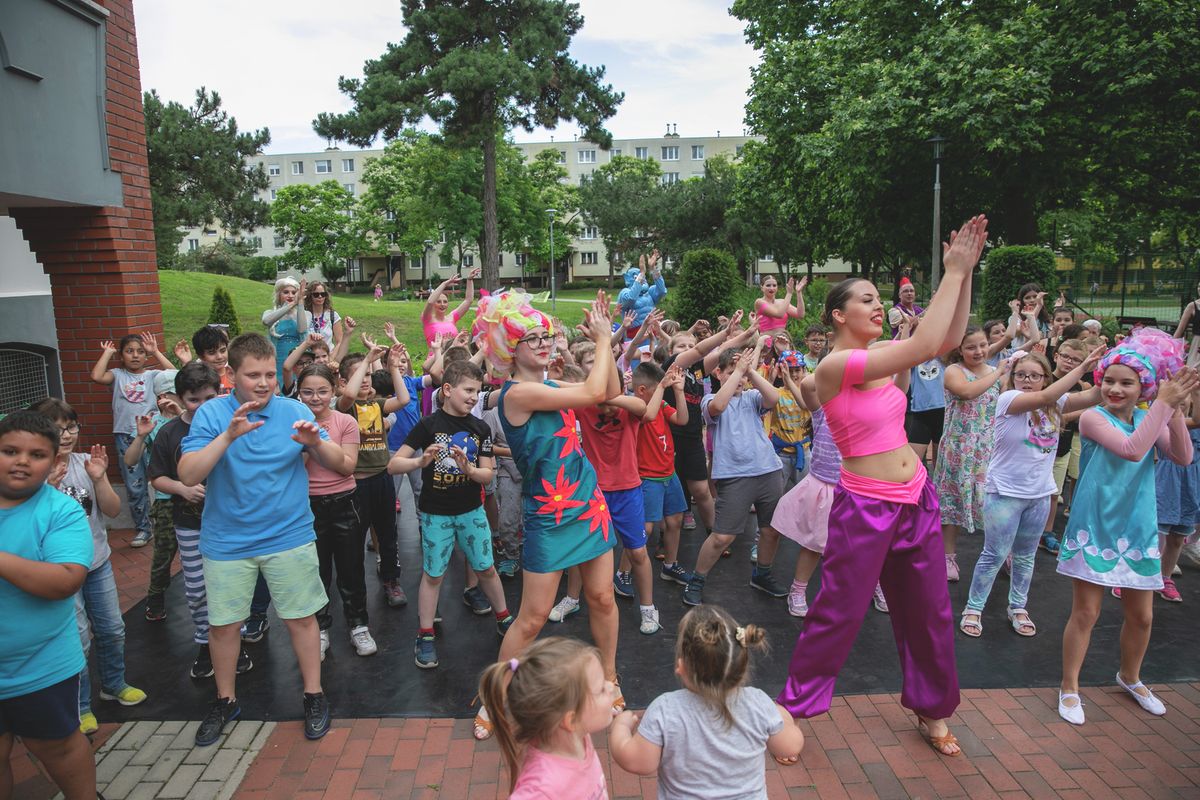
(567, 521)
(1112, 533)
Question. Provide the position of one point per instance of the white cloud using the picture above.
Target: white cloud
(276, 63)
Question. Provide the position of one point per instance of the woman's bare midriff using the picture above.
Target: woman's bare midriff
(894, 466)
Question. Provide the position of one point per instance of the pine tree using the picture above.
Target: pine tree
(223, 313)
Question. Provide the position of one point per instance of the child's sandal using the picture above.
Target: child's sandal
(786, 762)
(971, 627)
(483, 727)
(618, 704)
(1023, 627)
(938, 743)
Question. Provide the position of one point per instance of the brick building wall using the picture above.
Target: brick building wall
(101, 261)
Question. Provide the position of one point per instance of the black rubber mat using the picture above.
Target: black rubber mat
(388, 684)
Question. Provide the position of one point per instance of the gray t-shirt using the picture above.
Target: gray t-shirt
(702, 758)
(741, 448)
(133, 395)
(78, 484)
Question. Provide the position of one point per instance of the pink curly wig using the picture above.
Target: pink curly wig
(1149, 352)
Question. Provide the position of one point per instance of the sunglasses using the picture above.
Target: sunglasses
(319, 294)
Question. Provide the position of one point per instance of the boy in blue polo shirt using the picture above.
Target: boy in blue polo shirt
(249, 446)
(45, 555)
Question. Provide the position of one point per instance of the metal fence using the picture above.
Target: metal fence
(1155, 286)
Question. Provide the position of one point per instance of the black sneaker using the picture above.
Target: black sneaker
(220, 711)
(425, 652)
(477, 601)
(156, 608)
(244, 664)
(693, 593)
(765, 582)
(254, 629)
(202, 667)
(316, 715)
(503, 625)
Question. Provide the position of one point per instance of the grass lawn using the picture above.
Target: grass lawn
(187, 297)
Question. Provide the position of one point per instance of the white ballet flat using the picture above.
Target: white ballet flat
(1148, 701)
(1072, 714)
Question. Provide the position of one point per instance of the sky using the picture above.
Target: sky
(276, 63)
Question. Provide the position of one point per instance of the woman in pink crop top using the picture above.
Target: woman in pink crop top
(884, 520)
(773, 314)
(434, 318)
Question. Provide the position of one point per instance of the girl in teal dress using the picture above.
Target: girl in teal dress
(287, 323)
(1111, 539)
(567, 522)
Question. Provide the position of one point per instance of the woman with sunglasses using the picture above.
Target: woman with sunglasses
(322, 318)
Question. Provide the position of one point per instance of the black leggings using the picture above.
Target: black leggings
(340, 535)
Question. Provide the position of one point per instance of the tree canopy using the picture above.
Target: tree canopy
(319, 226)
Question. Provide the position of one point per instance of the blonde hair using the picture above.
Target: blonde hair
(715, 654)
(1050, 411)
(669, 326)
(528, 697)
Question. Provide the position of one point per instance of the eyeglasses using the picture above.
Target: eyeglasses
(537, 340)
(309, 394)
(1066, 359)
(1029, 376)
(320, 294)
(71, 429)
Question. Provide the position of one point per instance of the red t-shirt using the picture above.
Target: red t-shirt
(656, 446)
(610, 443)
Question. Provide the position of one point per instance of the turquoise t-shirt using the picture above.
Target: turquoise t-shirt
(256, 497)
(41, 645)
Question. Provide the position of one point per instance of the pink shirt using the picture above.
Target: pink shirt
(767, 324)
(342, 429)
(446, 327)
(865, 421)
(550, 777)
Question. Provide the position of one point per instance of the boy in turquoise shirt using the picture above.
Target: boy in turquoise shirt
(45, 554)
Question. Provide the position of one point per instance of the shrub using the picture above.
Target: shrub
(261, 268)
(1010, 268)
(223, 313)
(709, 286)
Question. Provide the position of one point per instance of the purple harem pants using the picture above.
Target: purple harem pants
(902, 544)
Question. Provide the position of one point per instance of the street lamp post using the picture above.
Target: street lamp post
(552, 212)
(936, 273)
(425, 264)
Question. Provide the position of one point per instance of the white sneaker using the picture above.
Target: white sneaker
(1147, 701)
(1073, 713)
(1175, 573)
(952, 567)
(650, 621)
(364, 645)
(1191, 554)
(324, 643)
(797, 604)
(565, 608)
(880, 601)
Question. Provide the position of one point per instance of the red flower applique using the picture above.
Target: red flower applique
(558, 496)
(598, 514)
(568, 433)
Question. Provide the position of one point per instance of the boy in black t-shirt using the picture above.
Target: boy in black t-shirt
(457, 462)
(195, 384)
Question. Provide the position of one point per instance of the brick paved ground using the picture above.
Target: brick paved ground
(866, 747)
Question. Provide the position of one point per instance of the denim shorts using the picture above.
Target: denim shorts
(663, 497)
(440, 532)
(293, 577)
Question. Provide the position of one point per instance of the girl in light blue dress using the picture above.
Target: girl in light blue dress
(1111, 539)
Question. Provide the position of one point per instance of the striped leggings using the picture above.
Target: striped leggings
(193, 581)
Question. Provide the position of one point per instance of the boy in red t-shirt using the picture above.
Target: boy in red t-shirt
(662, 493)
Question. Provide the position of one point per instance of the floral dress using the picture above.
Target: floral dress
(566, 518)
(964, 454)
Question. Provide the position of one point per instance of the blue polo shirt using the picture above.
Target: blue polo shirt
(41, 645)
(256, 500)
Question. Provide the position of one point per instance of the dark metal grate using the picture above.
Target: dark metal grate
(22, 379)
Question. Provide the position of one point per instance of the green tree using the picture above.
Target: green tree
(319, 227)
(708, 286)
(222, 312)
(198, 170)
(623, 199)
(477, 69)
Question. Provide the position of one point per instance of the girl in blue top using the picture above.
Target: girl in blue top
(567, 521)
(287, 323)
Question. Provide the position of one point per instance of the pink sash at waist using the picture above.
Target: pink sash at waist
(907, 493)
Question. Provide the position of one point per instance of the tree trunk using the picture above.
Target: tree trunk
(612, 267)
(491, 228)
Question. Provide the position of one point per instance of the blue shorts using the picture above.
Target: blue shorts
(663, 497)
(440, 532)
(49, 714)
(628, 513)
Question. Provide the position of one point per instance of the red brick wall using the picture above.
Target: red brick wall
(101, 261)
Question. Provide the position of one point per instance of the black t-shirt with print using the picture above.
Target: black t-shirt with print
(445, 490)
(164, 463)
(693, 392)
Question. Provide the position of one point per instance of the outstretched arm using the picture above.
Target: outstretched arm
(427, 311)
(468, 295)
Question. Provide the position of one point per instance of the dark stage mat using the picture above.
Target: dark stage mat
(159, 655)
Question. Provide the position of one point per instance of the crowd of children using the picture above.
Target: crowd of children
(271, 464)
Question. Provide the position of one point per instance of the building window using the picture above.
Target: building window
(616, 151)
(590, 232)
(442, 237)
(347, 165)
(209, 232)
(739, 150)
(349, 187)
(768, 257)
(324, 166)
(589, 257)
(562, 156)
(274, 170)
(670, 153)
(354, 270)
(390, 216)
(587, 156)
(697, 152)
(279, 243)
(522, 259)
(193, 244)
(669, 178)
(297, 167)
(468, 260)
(274, 193)
(641, 152)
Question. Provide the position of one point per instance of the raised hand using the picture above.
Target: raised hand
(145, 425)
(474, 274)
(735, 322)
(183, 352)
(389, 330)
(308, 433)
(628, 318)
(803, 282)
(97, 465)
(961, 253)
(462, 339)
(1014, 306)
(395, 353)
(369, 341)
(149, 342)
(1175, 389)
(57, 473)
(240, 424)
(300, 294)
(653, 261)
(349, 324)
(376, 351)
(108, 346)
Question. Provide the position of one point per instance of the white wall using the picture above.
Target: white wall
(20, 273)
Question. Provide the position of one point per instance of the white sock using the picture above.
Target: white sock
(647, 608)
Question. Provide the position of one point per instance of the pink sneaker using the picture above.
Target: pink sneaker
(952, 567)
(1170, 592)
(797, 603)
(1116, 592)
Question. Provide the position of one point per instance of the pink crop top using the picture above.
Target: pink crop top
(865, 421)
